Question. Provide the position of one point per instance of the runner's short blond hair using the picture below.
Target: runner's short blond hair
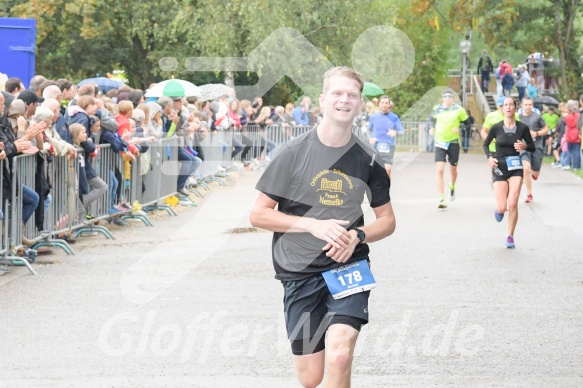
(343, 71)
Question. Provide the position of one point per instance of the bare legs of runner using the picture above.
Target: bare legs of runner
(440, 168)
(506, 194)
(336, 358)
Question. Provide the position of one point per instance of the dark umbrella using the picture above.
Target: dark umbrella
(547, 100)
(105, 84)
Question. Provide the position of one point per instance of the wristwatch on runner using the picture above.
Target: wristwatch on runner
(360, 234)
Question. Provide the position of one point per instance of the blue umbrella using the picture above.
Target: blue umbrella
(105, 84)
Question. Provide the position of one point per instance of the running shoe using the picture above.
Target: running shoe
(510, 242)
(442, 204)
(498, 216)
(528, 198)
(566, 167)
(534, 177)
(89, 217)
(451, 192)
(556, 165)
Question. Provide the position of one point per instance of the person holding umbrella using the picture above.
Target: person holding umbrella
(171, 123)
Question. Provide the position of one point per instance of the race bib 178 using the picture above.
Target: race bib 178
(349, 279)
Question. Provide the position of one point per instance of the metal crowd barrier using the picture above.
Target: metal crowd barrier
(7, 255)
(23, 174)
(65, 215)
(217, 147)
(160, 180)
(258, 152)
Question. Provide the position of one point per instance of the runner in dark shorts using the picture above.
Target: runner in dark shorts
(446, 120)
(451, 155)
(512, 138)
(532, 161)
(318, 182)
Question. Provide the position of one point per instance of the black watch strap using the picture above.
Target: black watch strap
(360, 234)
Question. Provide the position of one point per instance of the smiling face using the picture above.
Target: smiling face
(341, 99)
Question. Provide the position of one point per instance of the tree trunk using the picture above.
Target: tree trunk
(561, 46)
(230, 79)
(568, 10)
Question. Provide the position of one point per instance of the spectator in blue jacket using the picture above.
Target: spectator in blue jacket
(301, 114)
(507, 82)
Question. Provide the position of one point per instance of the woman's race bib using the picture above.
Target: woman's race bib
(513, 163)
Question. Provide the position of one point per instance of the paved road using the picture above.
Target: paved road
(187, 304)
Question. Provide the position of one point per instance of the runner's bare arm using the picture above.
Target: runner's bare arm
(263, 215)
(543, 131)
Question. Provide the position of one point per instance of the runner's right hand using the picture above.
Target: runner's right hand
(492, 162)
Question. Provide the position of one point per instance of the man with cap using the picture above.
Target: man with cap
(31, 100)
(445, 120)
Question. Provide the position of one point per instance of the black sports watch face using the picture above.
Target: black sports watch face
(360, 234)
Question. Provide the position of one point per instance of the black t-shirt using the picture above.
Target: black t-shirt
(308, 178)
(505, 140)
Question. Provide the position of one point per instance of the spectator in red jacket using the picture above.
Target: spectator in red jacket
(573, 136)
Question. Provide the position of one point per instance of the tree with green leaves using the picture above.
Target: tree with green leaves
(532, 26)
(82, 38)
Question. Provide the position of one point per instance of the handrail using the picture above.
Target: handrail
(481, 100)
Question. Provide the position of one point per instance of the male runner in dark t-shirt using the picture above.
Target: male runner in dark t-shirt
(318, 182)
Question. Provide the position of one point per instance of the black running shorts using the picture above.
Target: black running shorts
(451, 154)
(310, 309)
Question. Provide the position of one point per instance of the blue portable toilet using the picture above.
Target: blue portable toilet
(17, 48)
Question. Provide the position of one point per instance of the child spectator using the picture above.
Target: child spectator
(91, 187)
(126, 109)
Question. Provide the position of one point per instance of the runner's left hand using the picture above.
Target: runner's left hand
(341, 255)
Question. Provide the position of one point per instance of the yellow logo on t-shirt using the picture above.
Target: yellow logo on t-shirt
(332, 184)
